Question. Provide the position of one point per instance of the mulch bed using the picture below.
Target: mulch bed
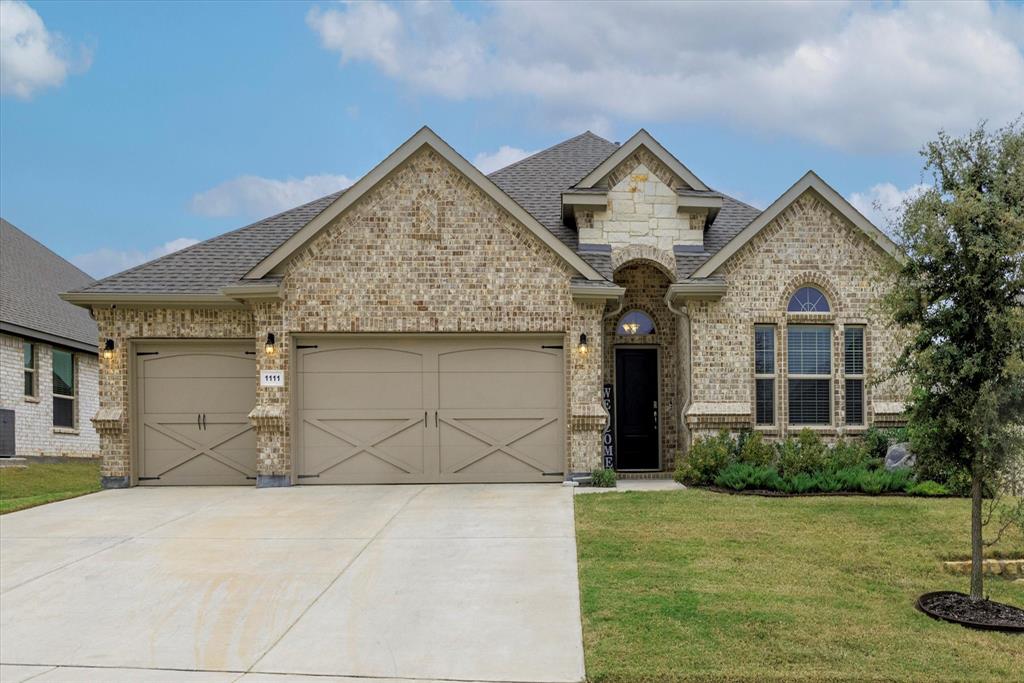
(782, 494)
(958, 608)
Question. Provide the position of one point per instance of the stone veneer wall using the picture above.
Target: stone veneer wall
(33, 422)
(808, 244)
(123, 324)
(645, 287)
(642, 209)
(424, 251)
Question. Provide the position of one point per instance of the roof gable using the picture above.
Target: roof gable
(645, 140)
(31, 280)
(424, 136)
(809, 182)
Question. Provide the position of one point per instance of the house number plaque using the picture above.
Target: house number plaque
(271, 378)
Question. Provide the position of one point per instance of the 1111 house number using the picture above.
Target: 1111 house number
(271, 378)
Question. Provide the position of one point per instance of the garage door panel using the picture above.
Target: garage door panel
(193, 406)
(508, 357)
(188, 364)
(501, 390)
(493, 408)
(362, 359)
(356, 390)
(200, 394)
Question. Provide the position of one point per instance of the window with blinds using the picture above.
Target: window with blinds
(853, 366)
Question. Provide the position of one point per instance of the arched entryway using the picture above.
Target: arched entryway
(640, 362)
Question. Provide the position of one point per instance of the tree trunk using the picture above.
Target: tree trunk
(977, 586)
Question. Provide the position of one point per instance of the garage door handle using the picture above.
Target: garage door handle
(435, 418)
(424, 419)
(204, 422)
(199, 421)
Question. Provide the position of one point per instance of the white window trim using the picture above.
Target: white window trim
(73, 429)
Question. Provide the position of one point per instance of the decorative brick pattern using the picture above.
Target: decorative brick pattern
(808, 244)
(663, 259)
(33, 421)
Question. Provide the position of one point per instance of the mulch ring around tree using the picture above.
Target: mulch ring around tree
(958, 608)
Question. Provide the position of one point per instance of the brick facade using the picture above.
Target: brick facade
(34, 430)
(427, 251)
(388, 264)
(807, 244)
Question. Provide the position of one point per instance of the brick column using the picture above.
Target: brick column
(588, 417)
(112, 419)
(270, 416)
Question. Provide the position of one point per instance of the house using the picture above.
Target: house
(433, 324)
(49, 373)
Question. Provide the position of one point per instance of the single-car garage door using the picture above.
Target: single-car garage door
(192, 406)
(461, 408)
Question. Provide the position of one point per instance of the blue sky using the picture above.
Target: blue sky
(127, 129)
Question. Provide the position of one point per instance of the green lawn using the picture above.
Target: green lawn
(40, 483)
(693, 585)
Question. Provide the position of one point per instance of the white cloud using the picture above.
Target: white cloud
(488, 162)
(254, 196)
(855, 76)
(882, 204)
(107, 261)
(31, 57)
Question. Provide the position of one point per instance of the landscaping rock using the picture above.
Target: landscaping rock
(899, 457)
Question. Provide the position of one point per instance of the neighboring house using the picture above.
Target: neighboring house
(432, 324)
(48, 362)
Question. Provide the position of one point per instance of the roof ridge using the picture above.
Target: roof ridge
(212, 239)
(11, 225)
(548, 149)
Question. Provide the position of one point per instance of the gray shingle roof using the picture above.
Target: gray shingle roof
(536, 183)
(732, 218)
(31, 278)
(206, 267)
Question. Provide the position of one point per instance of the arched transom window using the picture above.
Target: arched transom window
(808, 300)
(635, 323)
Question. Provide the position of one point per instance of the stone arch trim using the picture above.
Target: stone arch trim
(815, 279)
(662, 259)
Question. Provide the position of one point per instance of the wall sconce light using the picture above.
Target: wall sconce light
(108, 349)
(270, 349)
(583, 348)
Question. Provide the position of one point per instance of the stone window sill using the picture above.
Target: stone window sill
(31, 399)
(65, 430)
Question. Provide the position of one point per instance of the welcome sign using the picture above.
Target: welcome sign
(608, 438)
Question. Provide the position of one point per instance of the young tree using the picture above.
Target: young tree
(960, 296)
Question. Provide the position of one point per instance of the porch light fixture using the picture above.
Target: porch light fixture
(631, 328)
(269, 348)
(108, 349)
(583, 348)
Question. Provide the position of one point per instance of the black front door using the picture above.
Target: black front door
(636, 409)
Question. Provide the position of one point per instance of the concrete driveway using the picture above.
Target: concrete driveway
(457, 582)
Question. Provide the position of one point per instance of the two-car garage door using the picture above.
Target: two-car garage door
(459, 408)
(430, 409)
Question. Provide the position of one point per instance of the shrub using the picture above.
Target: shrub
(603, 478)
(707, 457)
(846, 454)
(883, 481)
(927, 488)
(801, 482)
(739, 476)
(755, 451)
(877, 442)
(805, 454)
